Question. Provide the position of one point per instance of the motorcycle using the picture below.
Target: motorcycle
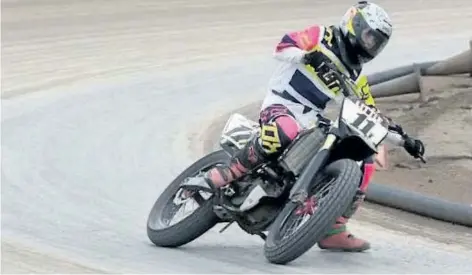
(290, 202)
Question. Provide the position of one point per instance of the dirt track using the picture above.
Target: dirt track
(445, 125)
(92, 91)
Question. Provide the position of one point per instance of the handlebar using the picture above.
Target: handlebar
(347, 91)
(404, 135)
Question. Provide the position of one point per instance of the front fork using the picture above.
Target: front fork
(299, 192)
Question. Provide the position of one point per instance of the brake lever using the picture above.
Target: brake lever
(397, 128)
(422, 159)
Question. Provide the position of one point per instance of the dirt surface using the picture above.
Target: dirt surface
(415, 225)
(92, 127)
(444, 124)
(20, 259)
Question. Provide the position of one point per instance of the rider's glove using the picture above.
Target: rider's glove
(315, 59)
(414, 147)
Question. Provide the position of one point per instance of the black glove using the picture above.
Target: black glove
(313, 58)
(318, 61)
(414, 147)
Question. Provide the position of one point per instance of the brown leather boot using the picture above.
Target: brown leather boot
(339, 239)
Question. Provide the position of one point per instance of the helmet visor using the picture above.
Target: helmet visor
(371, 41)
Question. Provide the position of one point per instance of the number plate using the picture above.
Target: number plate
(365, 120)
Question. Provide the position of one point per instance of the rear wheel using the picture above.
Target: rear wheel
(299, 227)
(163, 229)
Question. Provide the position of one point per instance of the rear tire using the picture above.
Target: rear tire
(192, 226)
(347, 175)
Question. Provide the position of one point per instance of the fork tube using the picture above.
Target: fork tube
(300, 189)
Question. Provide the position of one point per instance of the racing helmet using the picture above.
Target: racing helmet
(366, 28)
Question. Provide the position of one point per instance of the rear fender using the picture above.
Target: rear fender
(237, 132)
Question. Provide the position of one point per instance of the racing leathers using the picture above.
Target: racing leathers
(298, 92)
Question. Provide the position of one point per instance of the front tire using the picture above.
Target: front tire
(192, 226)
(279, 250)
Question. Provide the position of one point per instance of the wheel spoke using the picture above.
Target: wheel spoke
(182, 213)
(176, 209)
(198, 198)
(303, 212)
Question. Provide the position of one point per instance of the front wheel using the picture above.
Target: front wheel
(162, 230)
(298, 228)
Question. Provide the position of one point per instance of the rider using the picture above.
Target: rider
(299, 90)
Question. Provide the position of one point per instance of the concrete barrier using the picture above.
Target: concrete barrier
(408, 79)
(420, 204)
(387, 75)
(408, 84)
(458, 64)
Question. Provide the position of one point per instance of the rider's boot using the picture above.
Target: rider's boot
(246, 159)
(339, 238)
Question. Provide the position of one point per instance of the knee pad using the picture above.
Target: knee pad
(277, 134)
